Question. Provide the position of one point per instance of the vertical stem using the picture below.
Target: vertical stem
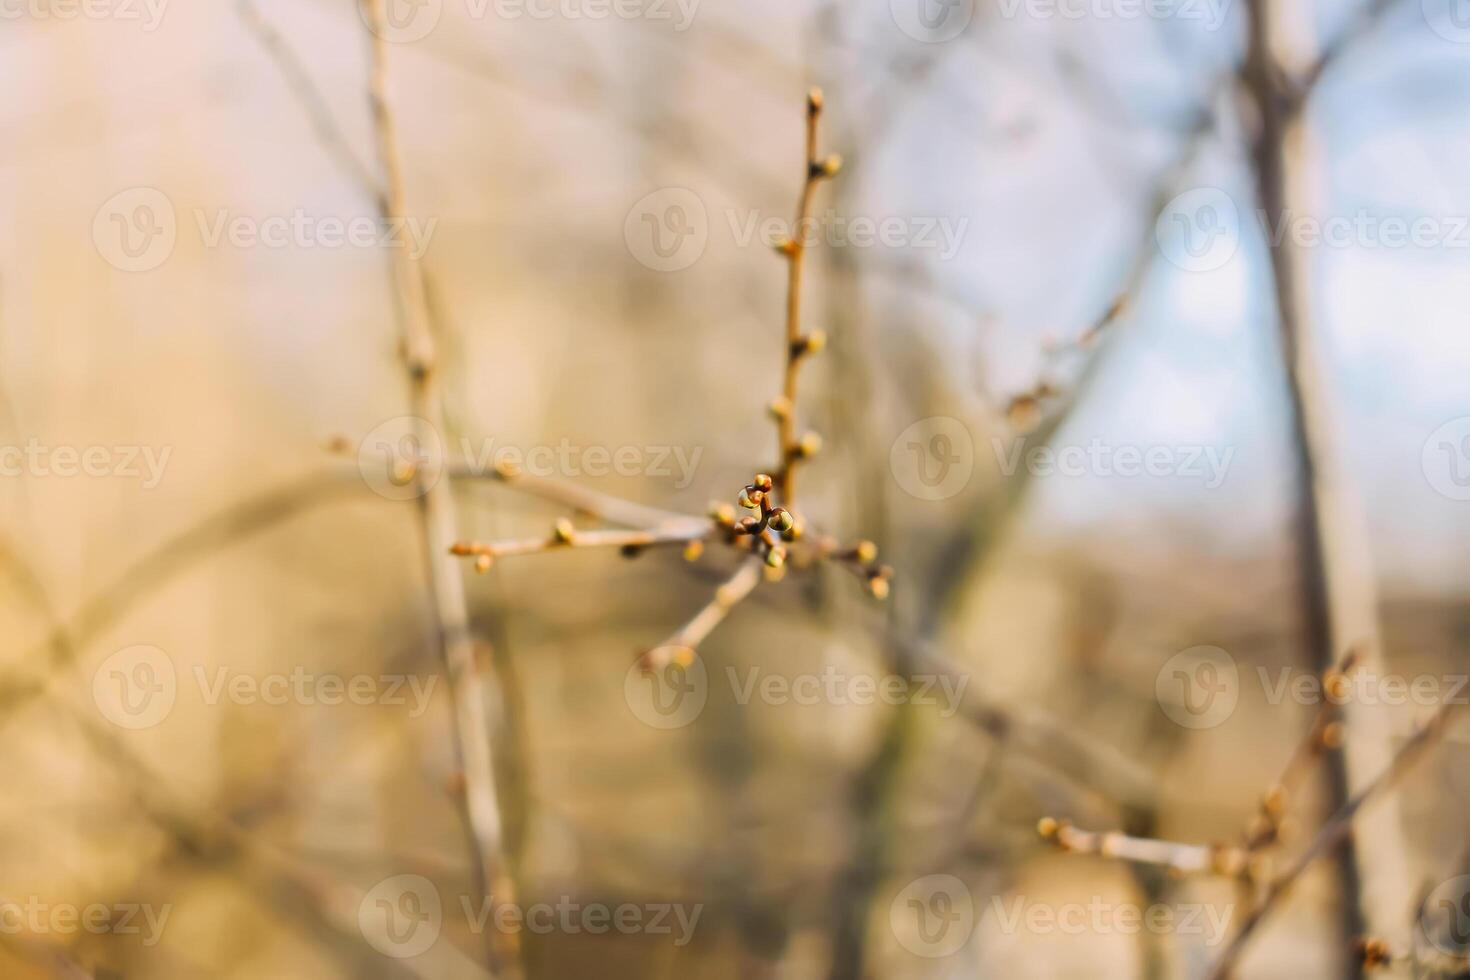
(480, 809)
(788, 448)
(1337, 592)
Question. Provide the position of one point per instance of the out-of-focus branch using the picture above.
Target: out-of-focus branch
(1362, 25)
(1334, 833)
(689, 636)
(1216, 859)
(1325, 735)
(564, 536)
(602, 506)
(481, 806)
(299, 81)
(328, 909)
(964, 556)
(1337, 593)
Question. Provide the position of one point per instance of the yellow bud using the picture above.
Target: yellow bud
(866, 551)
(563, 531)
(693, 550)
(779, 407)
(482, 564)
(810, 444)
(831, 165)
(815, 341)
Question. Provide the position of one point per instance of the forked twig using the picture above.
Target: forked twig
(1333, 833)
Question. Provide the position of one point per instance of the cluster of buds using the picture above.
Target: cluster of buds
(769, 530)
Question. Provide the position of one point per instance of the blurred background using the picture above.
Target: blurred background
(1145, 373)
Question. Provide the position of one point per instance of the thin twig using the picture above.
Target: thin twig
(564, 537)
(1334, 832)
(299, 81)
(1361, 26)
(602, 506)
(1216, 859)
(481, 807)
(790, 448)
(326, 905)
(1325, 734)
(730, 593)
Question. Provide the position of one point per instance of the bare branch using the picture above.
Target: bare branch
(790, 448)
(1333, 833)
(481, 806)
(730, 594)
